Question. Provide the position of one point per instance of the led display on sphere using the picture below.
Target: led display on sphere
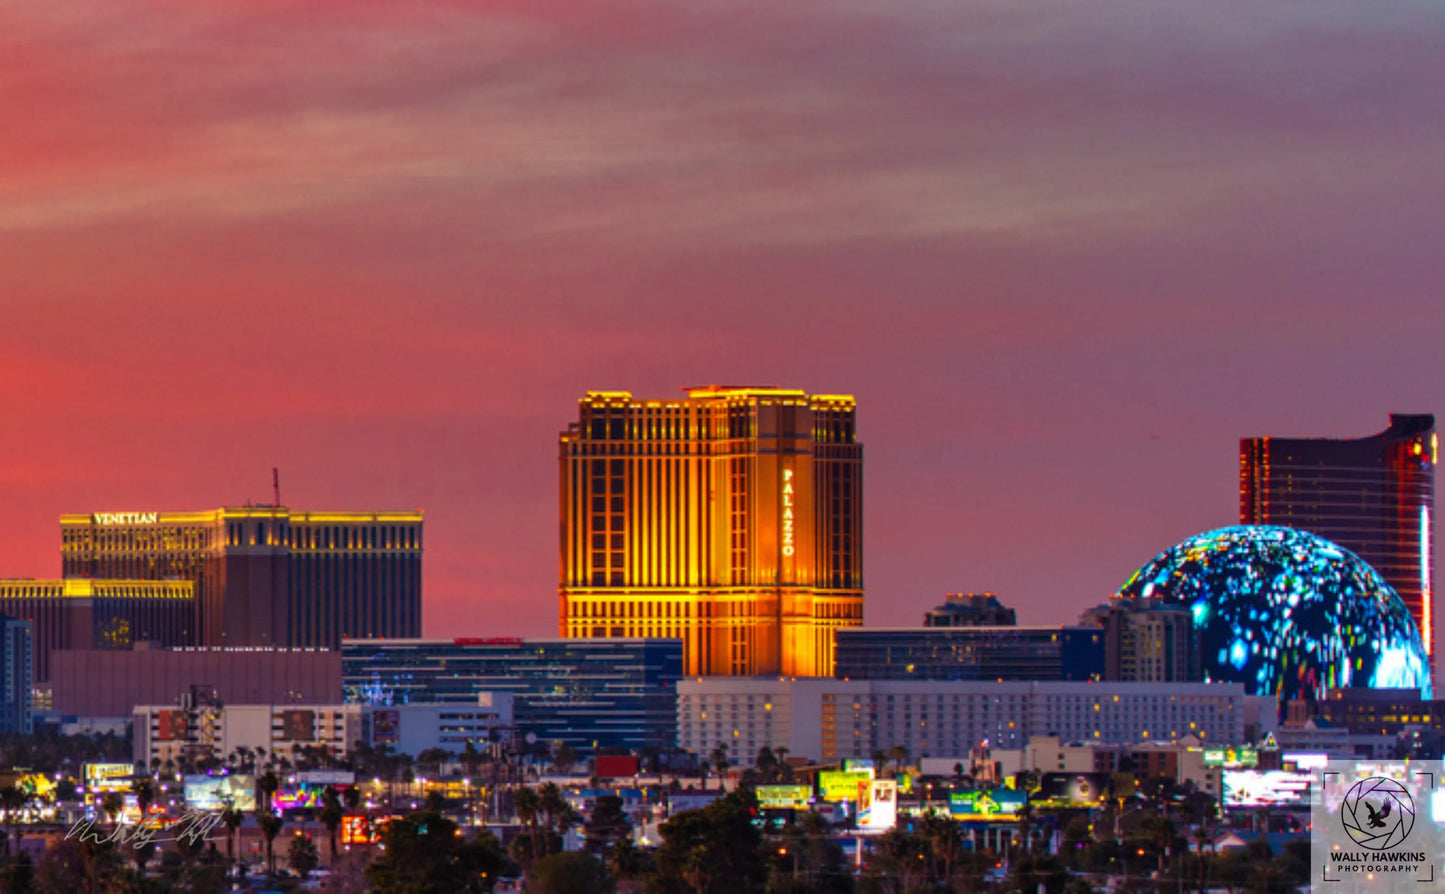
(1287, 613)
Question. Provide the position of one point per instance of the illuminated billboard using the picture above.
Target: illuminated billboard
(172, 725)
(995, 804)
(300, 795)
(298, 726)
(385, 726)
(1265, 788)
(358, 829)
(843, 785)
(98, 775)
(878, 810)
(784, 797)
(1073, 789)
(1233, 758)
(237, 791)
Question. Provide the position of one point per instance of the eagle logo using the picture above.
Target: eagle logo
(1378, 813)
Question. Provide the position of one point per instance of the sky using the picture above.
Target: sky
(1064, 254)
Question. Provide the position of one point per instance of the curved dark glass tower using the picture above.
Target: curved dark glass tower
(1374, 496)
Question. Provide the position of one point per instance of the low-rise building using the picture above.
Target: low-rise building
(831, 720)
(588, 693)
(412, 729)
(108, 684)
(191, 735)
(970, 653)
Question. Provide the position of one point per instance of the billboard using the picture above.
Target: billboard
(358, 829)
(1073, 789)
(362, 829)
(677, 802)
(878, 810)
(995, 804)
(612, 766)
(843, 785)
(172, 725)
(96, 774)
(784, 797)
(1266, 788)
(1233, 758)
(298, 726)
(294, 797)
(237, 791)
(385, 726)
(327, 777)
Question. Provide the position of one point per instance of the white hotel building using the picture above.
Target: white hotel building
(828, 720)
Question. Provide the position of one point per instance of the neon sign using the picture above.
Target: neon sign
(788, 548)
(125, 518)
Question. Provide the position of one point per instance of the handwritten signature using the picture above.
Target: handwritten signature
(191, 828)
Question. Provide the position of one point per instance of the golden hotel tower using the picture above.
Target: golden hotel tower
(731, 519)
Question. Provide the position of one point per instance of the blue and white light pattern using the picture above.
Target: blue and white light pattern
(1287, 613)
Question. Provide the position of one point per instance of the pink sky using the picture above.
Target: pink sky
(1065, 255)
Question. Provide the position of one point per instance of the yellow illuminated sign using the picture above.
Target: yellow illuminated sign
(125, 518)
(787, 512)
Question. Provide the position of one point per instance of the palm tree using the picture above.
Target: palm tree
(231, 818)
(113, 803)
(13, 799)
(145, 795)
(266, 785)
(270, 825)
(944, 842)
(560, 815)
(528, 807)
(1025, 822)
(719, 759)
(331, 815)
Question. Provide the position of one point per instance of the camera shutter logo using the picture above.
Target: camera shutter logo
(1378, 813)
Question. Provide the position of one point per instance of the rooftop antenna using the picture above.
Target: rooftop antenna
(276, 484)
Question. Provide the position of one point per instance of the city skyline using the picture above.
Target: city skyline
(1063, 258)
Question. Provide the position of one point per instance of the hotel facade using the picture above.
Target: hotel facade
(265, 575)
(87, 615)
(1374, 496)
(731, 519)
(831, 720)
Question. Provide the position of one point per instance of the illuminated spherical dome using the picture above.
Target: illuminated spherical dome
(1287, 613)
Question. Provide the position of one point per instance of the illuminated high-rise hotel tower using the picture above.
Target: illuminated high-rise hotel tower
(732, 519)
(1374, 496)
(265, 575)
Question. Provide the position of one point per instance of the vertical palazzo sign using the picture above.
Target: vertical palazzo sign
(788, 529)
(788, 545)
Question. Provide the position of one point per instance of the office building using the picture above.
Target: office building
(265, 575)
(16, 677)
(412, 729)
(971, 653)
(602, 693)
(1147, 641)
(971, 610)
(830, 720)
(198, 732)
(731, 519)
(1373, 496)
(108, 684)
(99, 614)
